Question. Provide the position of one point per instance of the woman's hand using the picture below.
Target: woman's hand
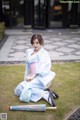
(30, 77)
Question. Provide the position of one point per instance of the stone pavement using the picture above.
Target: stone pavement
(62, 44)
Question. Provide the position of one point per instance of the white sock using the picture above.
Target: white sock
(46, 97)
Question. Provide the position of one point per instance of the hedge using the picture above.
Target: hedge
(2, 30)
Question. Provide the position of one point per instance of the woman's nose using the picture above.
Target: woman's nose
(35, 45)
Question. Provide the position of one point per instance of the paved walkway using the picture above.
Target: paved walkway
(63, 45)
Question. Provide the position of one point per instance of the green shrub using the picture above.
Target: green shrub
(2, 30)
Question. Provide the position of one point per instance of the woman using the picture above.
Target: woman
(37, 74)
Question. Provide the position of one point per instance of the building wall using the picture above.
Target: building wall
(56, 14)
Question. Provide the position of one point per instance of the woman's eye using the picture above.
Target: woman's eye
(36, 42)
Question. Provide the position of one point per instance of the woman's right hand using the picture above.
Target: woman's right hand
(30, 77)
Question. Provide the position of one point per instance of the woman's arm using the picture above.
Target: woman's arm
(44, 65)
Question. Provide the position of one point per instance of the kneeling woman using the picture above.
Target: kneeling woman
(38, 73)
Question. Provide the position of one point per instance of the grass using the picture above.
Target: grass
(66, 84)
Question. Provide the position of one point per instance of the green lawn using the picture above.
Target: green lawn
(66, 84)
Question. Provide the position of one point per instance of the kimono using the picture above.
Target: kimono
(34, 90)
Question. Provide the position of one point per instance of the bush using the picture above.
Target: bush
(2, 30)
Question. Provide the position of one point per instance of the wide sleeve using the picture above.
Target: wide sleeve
(44, 65)
(27, 66)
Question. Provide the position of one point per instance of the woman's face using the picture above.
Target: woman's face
(36, 45)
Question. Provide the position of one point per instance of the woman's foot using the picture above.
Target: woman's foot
(55, 95)
(51, 100)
